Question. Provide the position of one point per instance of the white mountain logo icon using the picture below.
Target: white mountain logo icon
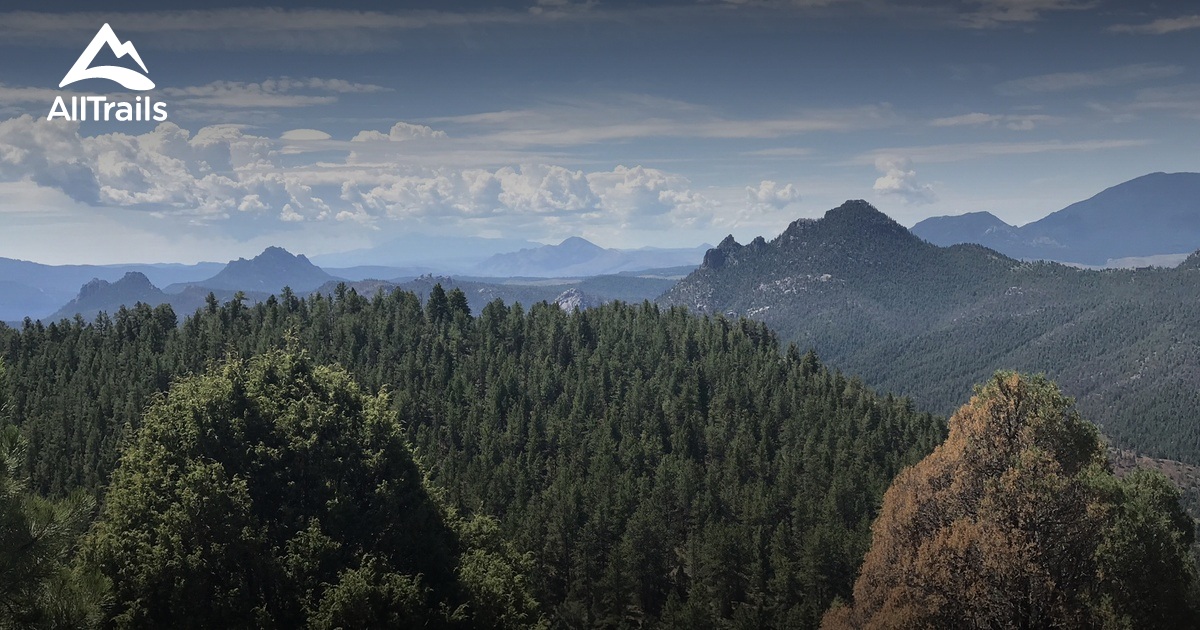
(130, 79)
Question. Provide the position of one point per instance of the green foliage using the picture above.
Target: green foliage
(367, 597)
(641, 466)
(250, 489)
(928, 322)
(40, 587)
(1147, 575)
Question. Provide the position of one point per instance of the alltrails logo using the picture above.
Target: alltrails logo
(141, 109)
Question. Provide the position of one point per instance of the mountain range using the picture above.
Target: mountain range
(276, 268)
(927, 321)
(269, 272)
(29, 289)
(1148, 219)
(578, 257)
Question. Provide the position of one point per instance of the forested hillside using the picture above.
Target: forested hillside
(929, 322)
(652, 467)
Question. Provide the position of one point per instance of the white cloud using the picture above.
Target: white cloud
(1107, 77)
(769, 195)
(301, 135)
(900, 180)
(399, 132)
(527, 193)
(1161, 26)
(1026, 122)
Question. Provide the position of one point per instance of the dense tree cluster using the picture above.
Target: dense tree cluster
(626, 465)
(1016, 522)
(40, 584)
(275, 493)
(342, 461)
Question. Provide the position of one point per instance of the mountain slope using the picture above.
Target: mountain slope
(29, 289)
(972, 227)
(928, 321)
(101, 295)
(269, 272)
(1152, 215)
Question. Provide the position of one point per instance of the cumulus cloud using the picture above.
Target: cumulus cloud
(399, 132)
(899, 179)
(542, 192)
(224, 175)
(770, 195)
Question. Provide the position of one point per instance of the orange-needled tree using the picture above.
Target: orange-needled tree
(1017, 522)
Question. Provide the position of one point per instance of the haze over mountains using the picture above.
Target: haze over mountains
(1152, 216)
(433, 253)
(269, 272)
(276, 268)
(580, 257)
(29, 289)
(928, 321)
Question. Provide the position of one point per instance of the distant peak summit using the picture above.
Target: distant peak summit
(277, 253)
(858, 210)
(135, 278)
(580, 244)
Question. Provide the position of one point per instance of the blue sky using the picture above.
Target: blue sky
(325, 127)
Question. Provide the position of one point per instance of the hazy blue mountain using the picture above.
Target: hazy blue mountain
(972, 227)
(928, 321)
(19, 300)
(441, 253)
(101, 295)
(269, 272)
(1147, 217)
(29, 289)
(578, 257)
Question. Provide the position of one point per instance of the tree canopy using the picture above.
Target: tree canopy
(1016, 522)
(273, 492)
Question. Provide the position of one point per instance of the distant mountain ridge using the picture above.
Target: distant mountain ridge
(269, 272)
(441, 253)
(101, 296)
(928, 321)
(29, 289)
(1152, 215)
(578, 257)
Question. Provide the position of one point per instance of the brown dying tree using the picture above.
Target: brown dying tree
(1016, 522)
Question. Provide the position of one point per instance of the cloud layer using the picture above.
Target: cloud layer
(224, 173)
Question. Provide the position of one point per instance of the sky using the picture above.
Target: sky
(326, 127)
